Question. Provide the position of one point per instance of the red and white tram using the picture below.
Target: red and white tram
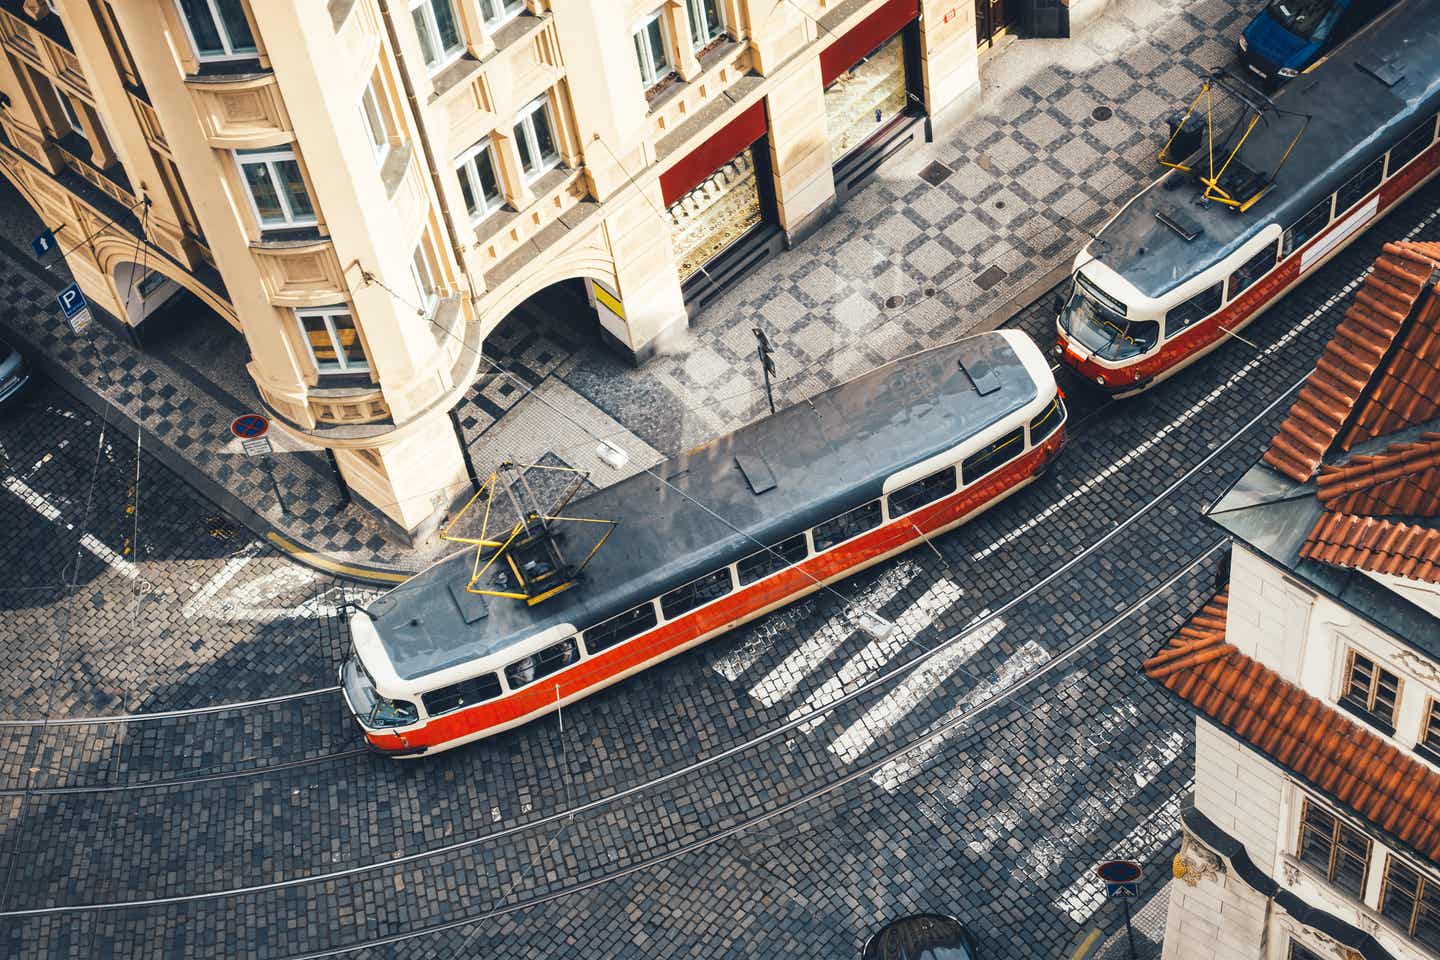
(860, 473)
(1177, 271)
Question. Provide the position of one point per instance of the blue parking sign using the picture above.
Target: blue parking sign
(71, 301)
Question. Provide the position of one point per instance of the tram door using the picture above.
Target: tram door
(993, 20)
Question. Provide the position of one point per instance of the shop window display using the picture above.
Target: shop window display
(873, 88)
(722, 209)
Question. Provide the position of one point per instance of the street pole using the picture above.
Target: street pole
(270, 469)
(1129, 933)
(767, 365)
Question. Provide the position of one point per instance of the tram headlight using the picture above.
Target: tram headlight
(1288, 72)
(1059, 349)
(1244, 44)
(1100, 379)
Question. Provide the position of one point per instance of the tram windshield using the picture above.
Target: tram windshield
(371, 708)
(1099, 323)
(1300, 17)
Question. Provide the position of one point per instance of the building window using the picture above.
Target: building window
(376, 116)
(706, 21)
(1370, 690)
(67, 108)
(1430, 728)
(438, 30)
(1411, 901)
(1298, 951)
(651, 52)
(497, 12)
(333, 340)
(1334, 848)
(422, 272)
(276, 188)
(478, 183)
(534, 140)
(218, 29)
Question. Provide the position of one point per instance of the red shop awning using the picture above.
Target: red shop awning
(690, 171)
(868, 34)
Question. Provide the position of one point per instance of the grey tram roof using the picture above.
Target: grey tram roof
(1346, 103)
(1273, 515)
(827, 455)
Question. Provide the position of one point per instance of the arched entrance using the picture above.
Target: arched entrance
(141, 291)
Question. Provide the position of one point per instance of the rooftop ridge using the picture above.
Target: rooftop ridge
(1355, 767)
(1379, 546)
(1404, 479)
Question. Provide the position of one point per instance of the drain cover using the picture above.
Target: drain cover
(891, 302)
(1102, 113)
(935, 173)
(990, 277)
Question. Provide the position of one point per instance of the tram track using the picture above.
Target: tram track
(802, 720)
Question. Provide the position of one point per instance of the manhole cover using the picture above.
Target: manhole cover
(930, 291)
(1102, 113)
(990, 277)
(891, 302)
(935, 173)
(999, 204)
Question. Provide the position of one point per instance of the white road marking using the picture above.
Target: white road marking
(50, 512)
(761, 639)
(215, 584)
(785, 679)
(861, 735)
(1081, 898)
(895, 774)
(875, 654)
(1193, 411)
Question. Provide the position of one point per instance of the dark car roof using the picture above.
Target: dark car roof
(827, 455)
(1354, 117)
(921, 936)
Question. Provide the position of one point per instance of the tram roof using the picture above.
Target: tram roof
(826, 455)
(1343, 99)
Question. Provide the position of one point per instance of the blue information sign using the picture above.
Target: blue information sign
(44, 243)
(71, 301)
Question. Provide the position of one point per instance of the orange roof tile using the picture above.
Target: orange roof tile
(1407, 391)
(1381, 546)
(1359, 769)
(1404, 480)
(1327, 401)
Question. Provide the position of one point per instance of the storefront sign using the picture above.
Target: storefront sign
(868, 34)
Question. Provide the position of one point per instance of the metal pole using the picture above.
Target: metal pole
(339, 477)
(765, 367)
(1129, 933)
(464, 449)
(270, 469)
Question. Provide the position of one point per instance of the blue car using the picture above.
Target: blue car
(1288, 36)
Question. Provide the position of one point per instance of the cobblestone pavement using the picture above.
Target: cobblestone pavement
(791, 818)
(1011, 194)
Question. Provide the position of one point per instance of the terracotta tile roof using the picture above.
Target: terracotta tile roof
(1407, 391)
(1404, 480)
(1327, 402)
(1382, 546)
(1357, 768)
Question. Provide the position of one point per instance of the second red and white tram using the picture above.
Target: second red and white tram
(1175, 273)
(860, 473)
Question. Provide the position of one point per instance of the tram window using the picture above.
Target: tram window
(1251, 270)
(696, 593)
(849, 524)
(542, 663)
(1410, 148)
(761, 564)
(1044, 424)
(1307, 226)
(1192, 311)
(1358, 186)
(993, 455)
(463, 694)
(631, 623)
(925, 490)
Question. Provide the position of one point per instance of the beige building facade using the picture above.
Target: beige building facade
(365, 188)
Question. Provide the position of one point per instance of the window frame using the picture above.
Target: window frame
(493, 675)
(1338, 825)
(231, 51)
(467, 169)
(654, 620)
(269, 157)
(327, 315)
(1390, 168)
(1366, 711)
(423, 269)
(1231, 291)
(1424, 890)
(525, 123)
(1287, 239)
(919, 487)
(1057, 406)
(68, 113)
(1430, 726)
(681, 596)
(995, 446)
(1378, 165)
(849, 534)
(695, 11)
(495, 21)
(381, 140)
(542, 668)
(1173, 328)
(783, 548)
(444, 56)
(650, 76)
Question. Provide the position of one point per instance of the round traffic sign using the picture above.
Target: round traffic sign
(249, 426)
(1118, 871)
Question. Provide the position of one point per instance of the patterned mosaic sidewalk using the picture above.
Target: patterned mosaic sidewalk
(947, 233)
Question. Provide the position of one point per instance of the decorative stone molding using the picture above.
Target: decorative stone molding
(241, 112)
(300, 274)
(1292, 874)
(1418, 665)
(1196, 862)
(1367, 923)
